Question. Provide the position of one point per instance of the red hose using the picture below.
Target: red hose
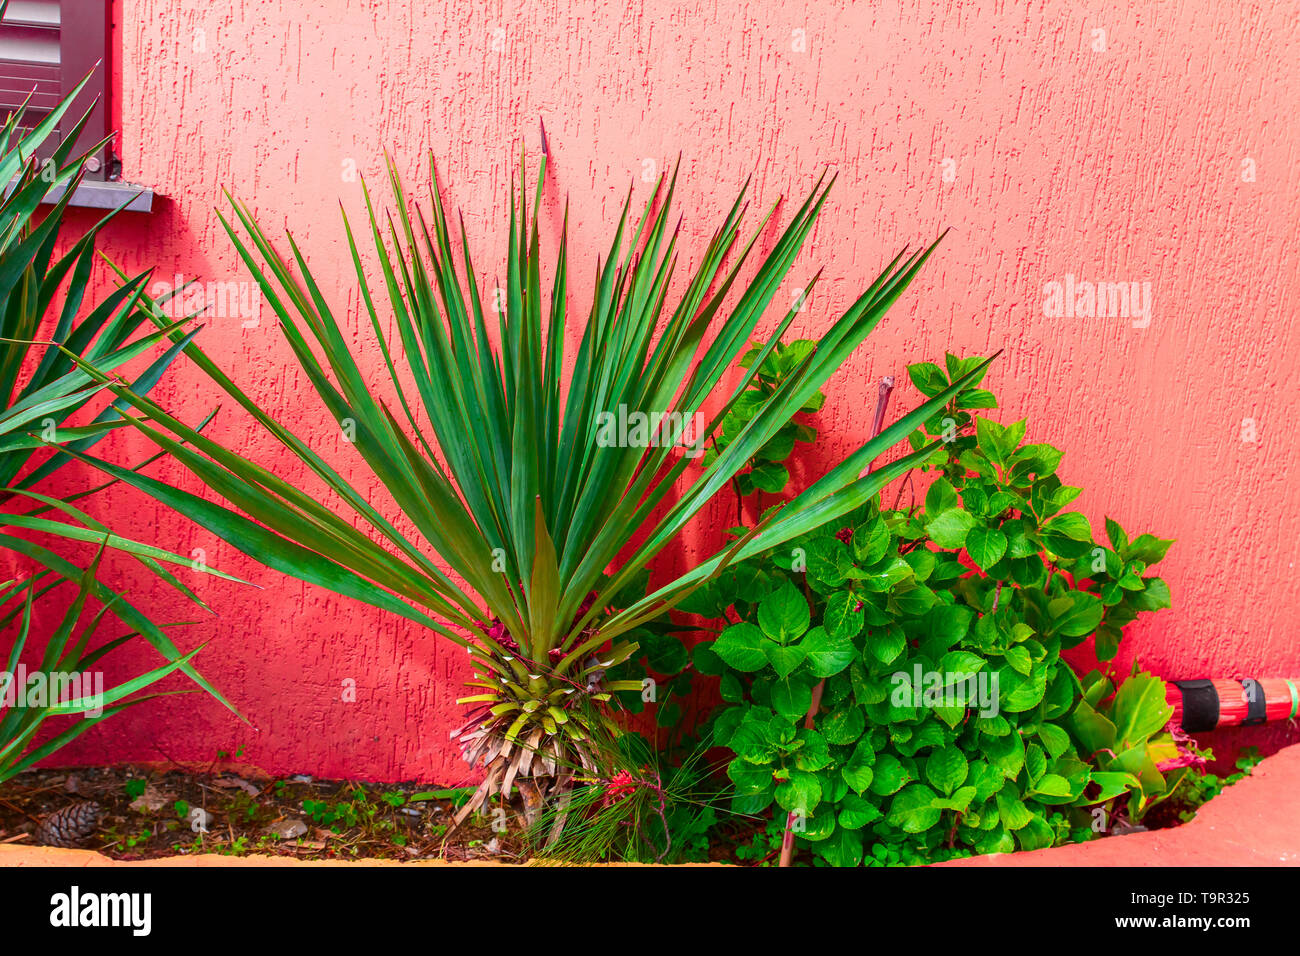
(1210, 704)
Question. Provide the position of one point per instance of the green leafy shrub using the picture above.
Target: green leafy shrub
(1001, 500)
(894, 680)
(1122, 733)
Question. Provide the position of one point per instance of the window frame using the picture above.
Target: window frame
(84, 35)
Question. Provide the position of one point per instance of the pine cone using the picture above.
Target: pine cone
(69, 826)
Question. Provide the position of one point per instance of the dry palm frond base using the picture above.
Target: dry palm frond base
(543, 761)
(542, 734)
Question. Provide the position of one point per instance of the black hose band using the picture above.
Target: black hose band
(1200, 705)
(1256, 705)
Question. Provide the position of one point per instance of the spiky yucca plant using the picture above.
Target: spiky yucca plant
(47, 325)
(503, 460)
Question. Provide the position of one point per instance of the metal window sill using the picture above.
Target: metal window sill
(106, 195)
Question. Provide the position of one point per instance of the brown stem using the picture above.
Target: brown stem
(882, 402)
(905, 486)
(787, 840)
(662, 810)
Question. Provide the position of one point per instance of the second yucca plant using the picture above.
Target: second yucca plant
(49, 323)
(504, 459)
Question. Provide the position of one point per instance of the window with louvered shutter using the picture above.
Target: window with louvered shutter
(46, 48)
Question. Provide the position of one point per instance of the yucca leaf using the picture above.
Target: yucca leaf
(122, 609)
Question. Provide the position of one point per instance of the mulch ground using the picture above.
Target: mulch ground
(148, 813)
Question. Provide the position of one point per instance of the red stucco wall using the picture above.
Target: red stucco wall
(1161, 150)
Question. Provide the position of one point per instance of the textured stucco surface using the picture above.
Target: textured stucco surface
(1050, 149)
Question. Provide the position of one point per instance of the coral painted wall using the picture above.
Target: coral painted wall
(1151, 143)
